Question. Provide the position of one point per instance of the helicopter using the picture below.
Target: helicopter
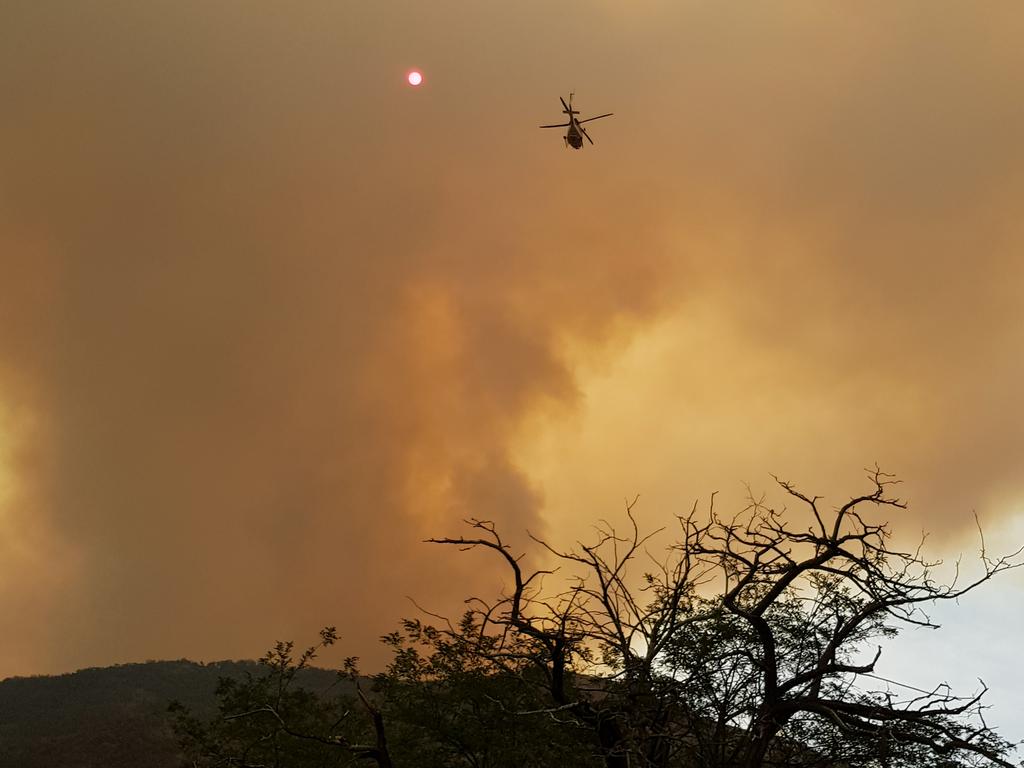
(574, 136)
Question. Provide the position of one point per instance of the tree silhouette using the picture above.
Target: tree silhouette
(765, 672)
(750, 643)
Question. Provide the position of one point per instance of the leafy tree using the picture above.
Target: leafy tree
(456, 695)
(269, 721)
(449, 698)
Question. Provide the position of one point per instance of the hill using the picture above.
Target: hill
(113, 717)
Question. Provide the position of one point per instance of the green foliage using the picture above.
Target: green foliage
(459, 697)
(446, 699)
(266, 719)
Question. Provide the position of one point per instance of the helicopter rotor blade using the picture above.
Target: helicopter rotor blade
(559, 125)
(565, 106)
(595, 118)
(586, 134)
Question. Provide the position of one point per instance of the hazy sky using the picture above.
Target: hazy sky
(269, 316)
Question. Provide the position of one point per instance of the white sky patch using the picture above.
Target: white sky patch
(979, 638)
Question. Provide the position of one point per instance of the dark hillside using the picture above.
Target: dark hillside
(115, 717)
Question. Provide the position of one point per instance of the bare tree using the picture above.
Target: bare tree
(599, 641)
(764, 672)
(842, 583)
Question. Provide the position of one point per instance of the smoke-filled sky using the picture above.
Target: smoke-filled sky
(269, 316)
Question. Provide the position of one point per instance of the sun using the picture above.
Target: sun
(415, 77)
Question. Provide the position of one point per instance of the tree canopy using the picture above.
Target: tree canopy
(750, 642)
